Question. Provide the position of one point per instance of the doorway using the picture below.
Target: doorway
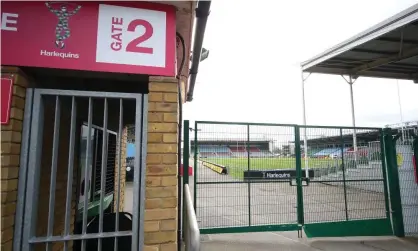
(62, 125)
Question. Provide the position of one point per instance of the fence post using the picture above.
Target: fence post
(299, 176)
(186, 153)
(343, 167)
(195, 167)
(249, 168)
(393, 180)
(415, 149)
(185, 171)
(384, 172)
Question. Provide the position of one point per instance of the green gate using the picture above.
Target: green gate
(254, 177)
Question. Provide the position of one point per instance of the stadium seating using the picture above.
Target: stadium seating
(206, 149)
(254, 149)
(244, 149)
(214, 151)
(327, 152)
(338, 152)
(237, 149)
(312, 151)
(221, 149)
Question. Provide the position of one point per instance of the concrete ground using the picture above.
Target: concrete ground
(225, 205)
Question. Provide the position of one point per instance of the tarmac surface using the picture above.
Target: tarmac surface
(288, 241)
(224, 205)
(224, 202)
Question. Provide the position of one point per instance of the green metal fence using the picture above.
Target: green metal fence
(348, 194)
(252, 177)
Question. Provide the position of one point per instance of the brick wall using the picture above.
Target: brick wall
(161, 176)
(122, 175)
(11, 137)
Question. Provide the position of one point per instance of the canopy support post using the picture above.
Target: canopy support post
(305, 138)
(351, 81)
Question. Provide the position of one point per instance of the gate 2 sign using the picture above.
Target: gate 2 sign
(136, 37)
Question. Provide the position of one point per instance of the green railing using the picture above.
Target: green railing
(251, 177)
(393, 181)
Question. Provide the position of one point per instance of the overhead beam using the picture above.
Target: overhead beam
(371, 73)
(373, 51)
(382, 61)
(414, 24)
(397, 40)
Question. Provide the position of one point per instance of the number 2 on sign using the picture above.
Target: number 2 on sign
(135, 44)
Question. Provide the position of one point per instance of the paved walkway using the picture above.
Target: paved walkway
(213, 199)
(288, 241)
(223, 201)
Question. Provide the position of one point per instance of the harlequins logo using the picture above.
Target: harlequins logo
(63, 12)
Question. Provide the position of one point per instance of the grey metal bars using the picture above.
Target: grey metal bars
(30, 191)
(139, 174)
(52, 186)
(104, 169)
(119, 156)
(191, 228)
(33, 174)
(70, 170)
(86, 171)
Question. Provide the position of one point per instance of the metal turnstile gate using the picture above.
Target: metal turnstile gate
(57, 151)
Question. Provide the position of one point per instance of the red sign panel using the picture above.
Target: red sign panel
(6, 99)
(137, 37)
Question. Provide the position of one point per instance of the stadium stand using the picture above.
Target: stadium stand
(237, 149)
(211, 149)
(254, 149)
(312, 151)
(326, 152)
(207, 151)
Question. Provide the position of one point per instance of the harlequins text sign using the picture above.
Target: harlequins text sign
(128, 37)
(281, 174)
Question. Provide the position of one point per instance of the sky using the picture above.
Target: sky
(253, 73)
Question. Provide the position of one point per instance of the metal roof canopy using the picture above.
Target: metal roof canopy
(386, 50)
